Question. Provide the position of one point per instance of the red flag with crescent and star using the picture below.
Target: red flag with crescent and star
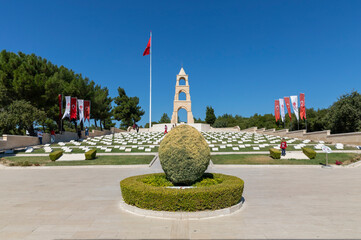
(87, 110)
(277, 110)
(73, 108)
(288, 105)
(302, 106)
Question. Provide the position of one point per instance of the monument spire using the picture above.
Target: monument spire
(182, 104)
(182, 72)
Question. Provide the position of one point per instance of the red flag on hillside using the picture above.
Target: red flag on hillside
(302, 106)
(87, 110)
(73, 108)
(147, 49)
(277, 110)
(288, 105)
(60, 100)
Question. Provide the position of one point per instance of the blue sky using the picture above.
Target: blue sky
(240, 55)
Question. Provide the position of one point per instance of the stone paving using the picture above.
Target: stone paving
(83, 203)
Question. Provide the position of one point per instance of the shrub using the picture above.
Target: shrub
(23, 164)
(275, 153)
(309, 152)
(222, 195)
(91, 154)
(55, 155)
(184, 155)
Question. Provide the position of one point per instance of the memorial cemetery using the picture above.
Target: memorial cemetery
(259, 139)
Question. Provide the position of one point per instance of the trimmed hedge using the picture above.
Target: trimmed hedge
(55, 155)
(275, 153)
(309, 152)
(184, 155)
(91, 154)
(225, 194)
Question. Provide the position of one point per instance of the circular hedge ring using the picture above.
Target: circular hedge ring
(222, 195)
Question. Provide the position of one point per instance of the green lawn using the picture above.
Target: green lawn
(266, 159)
(100, 160)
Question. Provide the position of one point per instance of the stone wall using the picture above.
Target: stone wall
(16, 141)
(231, 129)
(353, 138)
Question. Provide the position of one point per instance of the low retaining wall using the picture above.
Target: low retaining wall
(17, 141)
(353, 138)
(232, 129)
(252, 129)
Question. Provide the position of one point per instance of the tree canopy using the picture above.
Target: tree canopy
(126, 110)
(35, 82)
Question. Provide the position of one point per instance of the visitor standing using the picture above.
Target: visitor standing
(52, 136)
(165, 129)
(86, 132)
(283, 147)
(40, 136)
(79, 133)
(137, 129)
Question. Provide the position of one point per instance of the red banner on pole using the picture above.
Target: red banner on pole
(288, 105)
(73, 108)
(302, 106)
(87, 110)
(60, 100)
(277, 110)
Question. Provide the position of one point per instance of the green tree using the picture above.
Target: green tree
(345, 114)
(210, 116)
(164, 118)
(20, 116)
(127, 110)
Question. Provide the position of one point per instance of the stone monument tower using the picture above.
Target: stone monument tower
(185, 104)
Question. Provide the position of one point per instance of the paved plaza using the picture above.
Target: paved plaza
(83, 203)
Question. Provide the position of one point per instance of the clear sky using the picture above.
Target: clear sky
(240, 55)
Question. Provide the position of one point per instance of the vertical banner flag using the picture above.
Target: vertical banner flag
(67, 107)
(288, 105)
(294, 102)
(60, 101)
(282, 107)
(87, 110)
(81, 109)
(73, 109)
(277, 110)
(302, 106)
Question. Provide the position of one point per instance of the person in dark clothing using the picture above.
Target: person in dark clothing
(79, 133)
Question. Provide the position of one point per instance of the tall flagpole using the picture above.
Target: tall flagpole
(150, 88)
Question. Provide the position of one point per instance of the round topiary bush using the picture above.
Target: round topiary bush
(184, 155)
(150, 191)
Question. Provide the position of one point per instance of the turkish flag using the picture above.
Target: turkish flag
(288, 105)
(277, 110)
(73, 108)
(302, 106)
(60, 100)
(147, 49)
(87, 110)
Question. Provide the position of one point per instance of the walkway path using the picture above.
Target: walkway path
(74, 203)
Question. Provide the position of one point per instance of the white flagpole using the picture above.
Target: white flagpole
(150, 88)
